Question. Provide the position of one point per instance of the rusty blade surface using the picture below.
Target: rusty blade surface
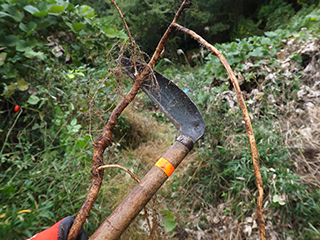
(172, 101)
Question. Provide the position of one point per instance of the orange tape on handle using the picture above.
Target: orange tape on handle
(165, 166)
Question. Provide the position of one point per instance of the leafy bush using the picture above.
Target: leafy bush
(53, 66)
(275, 15)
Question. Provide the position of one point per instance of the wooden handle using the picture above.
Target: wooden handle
(123, 215)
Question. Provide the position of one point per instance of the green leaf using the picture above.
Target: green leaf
(9, 41)
(43, 6)
(70, 7)
(40, 14)
(33, 100)
(14, 13)
(31, 9)
(71, 75)
(123, 35)
(22, 84)
(43, 24)
(29, 53)
(110, 32)
(82, 143)
(35, 126)
(73, 122)
(77, 26)
(168, 220)
(56, 9)
(21, 46)
(270, 34)
(69, 24)
(32, 42)
(3, 14)
(29, 27)
(266, 41)
(26, 45)
(256, 52)
(8, 190)
(76, 128)
(313, 229)
(86, 11)
(9, 89)
(8, 70)
(2, 58)
(83, 9)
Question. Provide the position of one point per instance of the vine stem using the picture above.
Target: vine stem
(100, 144)
(252, 141)
(104, 139)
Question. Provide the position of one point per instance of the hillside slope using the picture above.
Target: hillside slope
(279, 75)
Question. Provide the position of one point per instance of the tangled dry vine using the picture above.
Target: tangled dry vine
(104, 139)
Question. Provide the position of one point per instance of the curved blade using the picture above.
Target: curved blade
(172, 101)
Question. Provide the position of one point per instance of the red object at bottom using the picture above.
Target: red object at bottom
(51, 233)
(16, 108)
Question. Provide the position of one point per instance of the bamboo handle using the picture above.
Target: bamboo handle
(124, 214)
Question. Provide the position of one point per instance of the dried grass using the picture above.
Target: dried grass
(304, 143)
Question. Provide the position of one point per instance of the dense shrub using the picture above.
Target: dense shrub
(52, 65)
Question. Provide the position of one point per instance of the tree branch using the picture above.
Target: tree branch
(157, 54)
(100, 144)
(129, 33)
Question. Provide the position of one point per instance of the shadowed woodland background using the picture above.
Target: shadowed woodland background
(57, 64)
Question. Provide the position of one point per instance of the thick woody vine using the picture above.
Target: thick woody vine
(104, 139)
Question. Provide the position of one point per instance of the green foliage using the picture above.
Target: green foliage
(39, 184)
(238, 51)
(52, 64)
(168, 220)
(224, 171)
(216, 21)
(43, 30)
(100, 6)
(45, 160)
(52, 57)
(147, 20)
(259, 48)
(291, 199)
(276, 14)
(246, 27)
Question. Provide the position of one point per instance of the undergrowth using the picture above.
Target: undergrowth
(46, 147)
(273, 75)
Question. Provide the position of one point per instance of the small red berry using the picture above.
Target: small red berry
(16, 108)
